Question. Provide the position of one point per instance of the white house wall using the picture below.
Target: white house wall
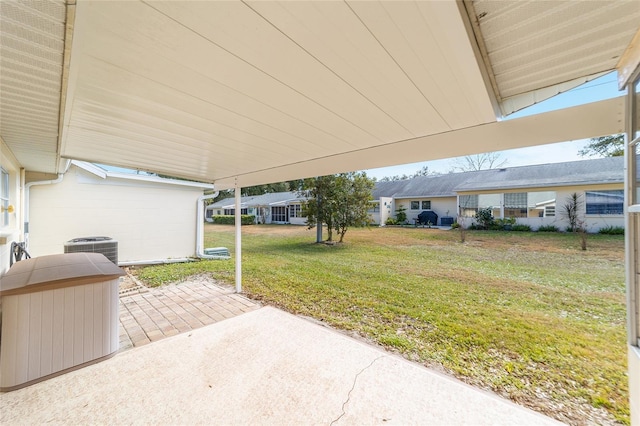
(442, 206)
(149, 220)
(298, 220)
(593, 223)
(11, 232)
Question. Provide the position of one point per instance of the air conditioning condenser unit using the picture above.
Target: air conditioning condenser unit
(104, 245)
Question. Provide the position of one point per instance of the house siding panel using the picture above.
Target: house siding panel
(149, 220)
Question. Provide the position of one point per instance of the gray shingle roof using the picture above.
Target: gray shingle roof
(424, 186)
(585, 172)
(257, 200)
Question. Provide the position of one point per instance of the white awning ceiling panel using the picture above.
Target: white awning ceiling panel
(229, 87)
(533, 45)
(31, 52)
(212, 90)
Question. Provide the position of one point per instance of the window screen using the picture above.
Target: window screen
(605, 202)
(516, 200)
(294, 210)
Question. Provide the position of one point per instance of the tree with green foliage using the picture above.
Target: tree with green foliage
(340, 201)
(292, 185)
(604, 146)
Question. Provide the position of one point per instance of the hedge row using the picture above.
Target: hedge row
(245, 219)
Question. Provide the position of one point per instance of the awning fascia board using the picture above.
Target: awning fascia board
(581, 122)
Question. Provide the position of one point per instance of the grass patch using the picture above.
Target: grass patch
(528, 315)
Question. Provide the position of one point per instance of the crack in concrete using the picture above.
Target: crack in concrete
(353, 386)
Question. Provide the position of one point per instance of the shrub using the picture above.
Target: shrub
(612, 230)
(507, 221)
(390, 221)
(455, 225)
(401, 216)
(245, 219)
(484, 218)
(521, 228)
(548, 228)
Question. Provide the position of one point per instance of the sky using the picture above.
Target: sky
(602, 88)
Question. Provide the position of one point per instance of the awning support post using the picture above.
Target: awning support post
(238, 226)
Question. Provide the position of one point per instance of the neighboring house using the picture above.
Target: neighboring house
(421, 193)
(534, 195)
(276, 207)
(151, 218)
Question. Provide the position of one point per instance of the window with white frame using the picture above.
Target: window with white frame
(490, 201)
(415, 205)
(515, 204)
(295, 210)
(278, 214)
(468, 205)
(4, 197)
(426, 205)
(231, 212)
(605, 202)
(541, 203)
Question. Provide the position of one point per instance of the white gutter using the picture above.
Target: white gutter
(27, 187)
(199, 228)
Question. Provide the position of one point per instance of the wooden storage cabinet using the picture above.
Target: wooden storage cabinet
(65, 320)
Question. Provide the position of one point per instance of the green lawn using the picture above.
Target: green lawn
(527, 315)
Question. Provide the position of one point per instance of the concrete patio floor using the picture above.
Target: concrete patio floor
(264, 366)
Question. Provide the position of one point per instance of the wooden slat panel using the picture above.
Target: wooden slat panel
(35, 335)
(46, 333)
(69, 327)
(57, 356)
(78, 326)
(87, 330)
(8, 349)
(98, 319)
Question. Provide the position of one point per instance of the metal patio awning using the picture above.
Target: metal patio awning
(255, 92)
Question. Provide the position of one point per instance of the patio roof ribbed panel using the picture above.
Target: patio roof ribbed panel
(266, 91)
(218, 89)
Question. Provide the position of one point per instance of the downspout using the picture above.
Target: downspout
(200, 228)
(27, 188)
